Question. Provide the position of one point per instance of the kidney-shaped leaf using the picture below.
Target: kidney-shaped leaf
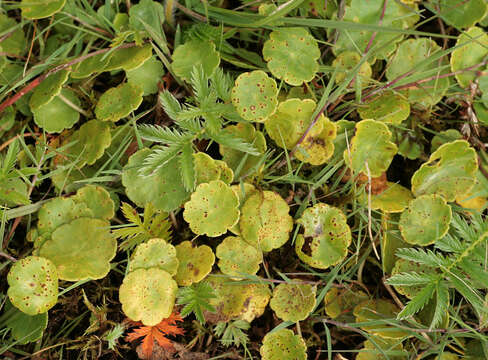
(426, 220)
(450, 171)
(255, 95)
(81, 249)
(33, 285)
(194, 263)
(236, 257)
(292, 55)
(148, 295)
(212, 209)
(118, 102)
(155, 253)
(283, 345)
(326, 236)
(293, 302)
(265, 222)
(372, 144)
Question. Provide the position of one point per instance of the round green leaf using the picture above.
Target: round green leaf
(48, 89)
(129, 58)
(164, 189)
(443, 137)
(394, 199)
(290, 121)
(118, 102)
(283, 345)
(426, 220)
(81, 249)
(450, 171)
(33, 285)
(236, 257)
(147, 76)
(293, 302)
(155, 253)
(92, 139)
(472, 50)
(14, 44)
(388, 107)
(284, 53)
(372, 144)
(148, 295)
(93, 65)
(60, 211)
(316, 149)
(98, 200)
(57, 115)
(462, 14)
(236, 299)
(409, 57)
(265, 222)
(345, 62)
(396, 15)
(212, 209)
(39, 9)
(326, 236)
(194, 263)
(254, 95)
(195, 53)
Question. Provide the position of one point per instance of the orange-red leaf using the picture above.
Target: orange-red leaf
(150, 333)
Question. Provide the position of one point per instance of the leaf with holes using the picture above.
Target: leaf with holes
(326, 236)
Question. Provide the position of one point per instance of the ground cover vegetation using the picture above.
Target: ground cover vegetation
(244, 179)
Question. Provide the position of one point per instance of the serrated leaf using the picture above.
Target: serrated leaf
(187, 166)
(418, 302)
(170, 105)
(159, 157)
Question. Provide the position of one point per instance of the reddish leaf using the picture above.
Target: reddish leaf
(158, 332)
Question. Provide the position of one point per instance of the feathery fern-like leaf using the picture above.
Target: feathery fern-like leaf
(187, 167)
(418, 302)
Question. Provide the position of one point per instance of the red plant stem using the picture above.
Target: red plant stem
(37, 81)
(380, 22)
